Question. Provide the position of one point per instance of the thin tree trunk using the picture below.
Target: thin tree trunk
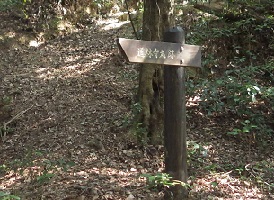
(157, 17)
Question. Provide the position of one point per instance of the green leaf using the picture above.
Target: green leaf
(38, 153)
(219, 81)
(214, 184)
(246, 130)
(45, 177)
(2, 194)
(234, 132)
(256, 88)
(14, 197)
(6, 196)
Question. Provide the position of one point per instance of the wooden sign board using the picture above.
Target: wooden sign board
(139, 51)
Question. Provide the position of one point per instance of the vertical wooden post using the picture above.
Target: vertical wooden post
(175, 120)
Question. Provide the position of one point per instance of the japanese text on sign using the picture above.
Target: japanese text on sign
(155, 54)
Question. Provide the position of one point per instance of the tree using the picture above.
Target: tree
(157, 17)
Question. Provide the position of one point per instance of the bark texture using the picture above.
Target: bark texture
(157, 17)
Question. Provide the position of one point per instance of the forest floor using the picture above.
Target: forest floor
(71, 98)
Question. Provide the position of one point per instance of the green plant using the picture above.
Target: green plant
(214, 184)
(137, 129)
(45, 177)
(161, 180)
(211, 167)
(194, 148)
(6, 196)
(247, 128)
(3, 169)
(240, 170)
(245, 92)
(129, 118)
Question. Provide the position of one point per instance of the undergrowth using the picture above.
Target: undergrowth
(238, 74)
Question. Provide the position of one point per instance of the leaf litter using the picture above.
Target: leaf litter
(77, 91)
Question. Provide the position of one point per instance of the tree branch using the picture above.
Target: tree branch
(131, 22)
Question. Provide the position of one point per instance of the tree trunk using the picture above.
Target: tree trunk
(157, 17)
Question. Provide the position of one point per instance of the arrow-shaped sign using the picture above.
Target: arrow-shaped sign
(165, 53)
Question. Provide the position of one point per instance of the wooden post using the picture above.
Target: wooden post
(175, 120)
(174, 54)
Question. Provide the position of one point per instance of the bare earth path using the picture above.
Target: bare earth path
(73, 94)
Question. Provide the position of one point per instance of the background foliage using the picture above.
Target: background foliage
(238, 60)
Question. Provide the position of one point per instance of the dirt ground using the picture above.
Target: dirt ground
(70, 100)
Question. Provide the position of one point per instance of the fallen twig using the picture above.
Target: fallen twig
(4, 129)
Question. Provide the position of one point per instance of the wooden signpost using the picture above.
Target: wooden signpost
(165, 53)
(175, 55)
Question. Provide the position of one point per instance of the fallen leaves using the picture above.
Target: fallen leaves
(79, 91)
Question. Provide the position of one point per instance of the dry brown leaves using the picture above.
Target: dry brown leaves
(78, 92)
